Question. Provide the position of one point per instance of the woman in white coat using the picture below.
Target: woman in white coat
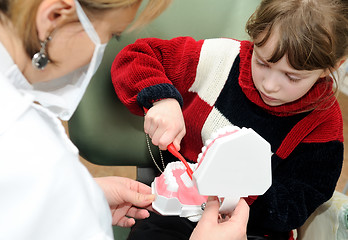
(45, 192)
(49, 50)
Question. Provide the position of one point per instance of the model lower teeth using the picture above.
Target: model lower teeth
(171, 184)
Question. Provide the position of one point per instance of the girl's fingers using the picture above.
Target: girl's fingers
(157, 139)
(166, 139)
(178, 138)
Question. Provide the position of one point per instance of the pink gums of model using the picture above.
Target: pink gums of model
(187, 195)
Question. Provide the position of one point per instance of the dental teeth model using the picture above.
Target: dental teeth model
(177, 196)
(234, 163)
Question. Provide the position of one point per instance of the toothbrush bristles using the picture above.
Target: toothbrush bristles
(175, 152)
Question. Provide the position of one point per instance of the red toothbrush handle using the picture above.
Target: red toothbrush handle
(175, 152)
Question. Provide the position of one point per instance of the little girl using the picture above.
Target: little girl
(279, 84)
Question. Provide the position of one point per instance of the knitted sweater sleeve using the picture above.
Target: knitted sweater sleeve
(153, 69)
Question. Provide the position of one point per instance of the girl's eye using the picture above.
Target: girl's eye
(261, 64)
(293, 79)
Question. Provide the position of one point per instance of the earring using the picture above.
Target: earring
(40, 59)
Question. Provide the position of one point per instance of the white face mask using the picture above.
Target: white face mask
(62, 95)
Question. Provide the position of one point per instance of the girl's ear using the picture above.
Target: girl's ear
(326, 73)
(338, 64)
(52, 14)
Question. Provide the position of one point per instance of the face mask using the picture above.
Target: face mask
(62, 95)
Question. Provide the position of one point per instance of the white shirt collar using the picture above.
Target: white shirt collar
(14, 99)
(10, 70)
(53, 95)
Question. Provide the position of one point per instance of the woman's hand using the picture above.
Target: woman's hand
(232, 228)
(124, 195)
(164, 123)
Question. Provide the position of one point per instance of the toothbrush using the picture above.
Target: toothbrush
(176, 153)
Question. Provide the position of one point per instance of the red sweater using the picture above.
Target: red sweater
(212, 81)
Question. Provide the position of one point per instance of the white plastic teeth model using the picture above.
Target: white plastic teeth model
(171, 181)
(222, 131)
(217, 173)
(177, 195)
(227, 168)
(219, 133)
(169, 176)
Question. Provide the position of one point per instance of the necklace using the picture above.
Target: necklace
(153, 159)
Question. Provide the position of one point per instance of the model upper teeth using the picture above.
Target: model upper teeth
(220, 132)
(170, 179)
(169, 176)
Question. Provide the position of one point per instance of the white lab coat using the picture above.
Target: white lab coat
(45, 192)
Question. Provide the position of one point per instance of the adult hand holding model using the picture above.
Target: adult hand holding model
(124, 195)
(212, 227)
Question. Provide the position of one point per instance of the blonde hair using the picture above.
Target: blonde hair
(19, 13)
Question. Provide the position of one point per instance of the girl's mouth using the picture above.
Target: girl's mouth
(267, 98)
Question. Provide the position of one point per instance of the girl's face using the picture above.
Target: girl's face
(279, 83)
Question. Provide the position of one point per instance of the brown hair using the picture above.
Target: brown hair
(313, 33)
(20, 14)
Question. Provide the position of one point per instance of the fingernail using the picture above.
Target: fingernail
(150, 197)
(211, 198)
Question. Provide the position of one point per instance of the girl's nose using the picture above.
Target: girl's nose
(271, 83)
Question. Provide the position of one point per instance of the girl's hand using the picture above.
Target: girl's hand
(232, 228)
(124, 195)
(164, 123)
